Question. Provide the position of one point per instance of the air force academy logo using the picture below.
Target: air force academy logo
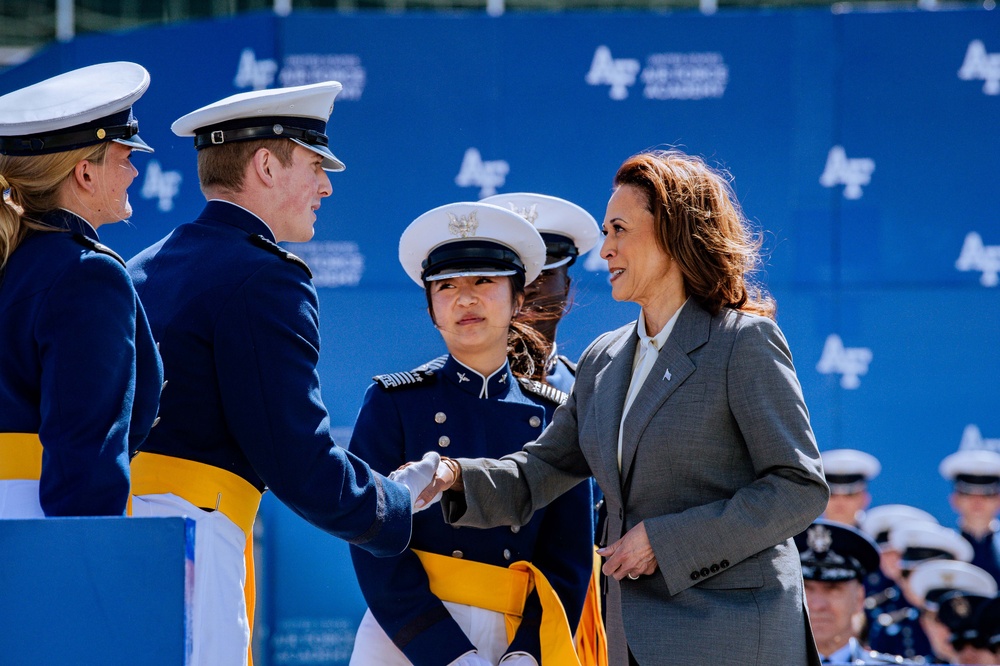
(488, 176)
(849, 362)
(981, 66)
(253, 73)
(161, 185)
(978, 257)
(972, 438)
(852, 172)
(607, 71)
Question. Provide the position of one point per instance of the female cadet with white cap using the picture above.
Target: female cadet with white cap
(449, 600)
(80, 376)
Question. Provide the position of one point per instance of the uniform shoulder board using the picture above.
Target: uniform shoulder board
(422, 375)
(91, 244)
(550, 393)
(569, 363)
(274, 248)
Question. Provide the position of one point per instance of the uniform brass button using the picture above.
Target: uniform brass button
(534, 422)
(695, 575)
(444, 440)
(457, 553)
(515, 529)
(506, 554)
(155, 422)
(705, 571)
(724, 563)
(440, 417)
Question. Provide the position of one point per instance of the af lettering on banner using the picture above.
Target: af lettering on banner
(486, 175)
(666, 76)
(851, 363)
(619, 73)
(979, 65)
(254, 74)
(972, 438)
(976, 256)
(161, 185)
(851, 172)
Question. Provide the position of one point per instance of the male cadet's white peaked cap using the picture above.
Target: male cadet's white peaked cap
(567, 229)
(879, 521)
(84, 107)
(919, 541)
(972, 469)
(299, 113)
(470, 239)
(849, 470)
(929, 580)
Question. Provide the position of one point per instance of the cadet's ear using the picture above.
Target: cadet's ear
(263, 164)
(83, 175)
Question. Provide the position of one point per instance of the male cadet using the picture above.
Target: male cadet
(898, 631)
(946, 591)
(236, 319)
(976, 500)
(569, 232)
(848, 472)
(835, 560)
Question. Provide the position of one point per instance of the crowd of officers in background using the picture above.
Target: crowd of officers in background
(889, 584)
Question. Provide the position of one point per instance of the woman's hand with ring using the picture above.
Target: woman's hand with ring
(631, 556)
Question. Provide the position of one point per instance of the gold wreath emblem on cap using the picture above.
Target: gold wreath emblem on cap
(961, 606)
(463, 226)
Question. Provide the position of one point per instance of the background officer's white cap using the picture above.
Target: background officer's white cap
(299, 113)
(879, 521)
(849, 470)
(919, 541)
(929, 581)
(974, 471)
(469, 239)
(567, 229)
(84, 107)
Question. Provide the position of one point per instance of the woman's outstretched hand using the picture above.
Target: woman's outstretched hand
(448, 476)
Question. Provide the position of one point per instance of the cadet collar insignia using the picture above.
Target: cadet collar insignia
(94, 246)
(530, 213)
(503, 378)
(463, 226)
(819, 539)
(550, 393)
(462, 377)
(274, 248)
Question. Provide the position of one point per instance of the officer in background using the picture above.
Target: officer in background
(848, 472)
(569, 232)
(936, 587)
(836, 558)
(976, 500)
(79, 373)
(884, 595)
(898, 630)
(238, 324)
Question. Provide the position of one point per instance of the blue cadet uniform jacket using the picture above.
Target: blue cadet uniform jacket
(561, 373)
(451, 408)
(896, 630)
(79, 366)
(237, 320)
(985, 552)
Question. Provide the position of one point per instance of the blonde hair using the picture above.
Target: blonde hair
(34, 182)
(700, 225)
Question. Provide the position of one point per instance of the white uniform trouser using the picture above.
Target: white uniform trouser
(485, 628)
(220, 633)
(19, 499)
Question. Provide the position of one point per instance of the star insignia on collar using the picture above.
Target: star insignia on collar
(463, 226)
(462, 377)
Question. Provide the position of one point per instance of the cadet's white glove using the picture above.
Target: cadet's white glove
(417, 476)
(471, 659)
(518, 659)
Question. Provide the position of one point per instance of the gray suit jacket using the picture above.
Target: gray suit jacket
(718, 459)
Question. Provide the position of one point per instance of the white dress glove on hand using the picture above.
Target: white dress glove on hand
(417, 476)
(471, 659)
(518, 659)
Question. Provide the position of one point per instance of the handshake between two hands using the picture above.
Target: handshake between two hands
(513, 659)
(427, 479)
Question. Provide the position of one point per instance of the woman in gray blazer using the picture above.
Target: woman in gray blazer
(693, 423)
